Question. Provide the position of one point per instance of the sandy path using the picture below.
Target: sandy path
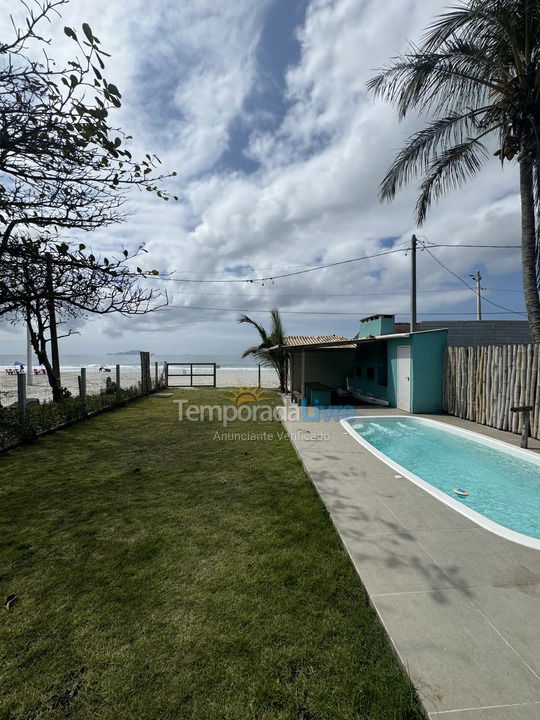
(95, 382)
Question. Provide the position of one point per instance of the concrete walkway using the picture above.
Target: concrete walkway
(460, 604)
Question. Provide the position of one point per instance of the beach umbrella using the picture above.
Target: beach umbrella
(18, 362)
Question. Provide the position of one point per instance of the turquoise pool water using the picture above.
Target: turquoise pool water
(502, 487)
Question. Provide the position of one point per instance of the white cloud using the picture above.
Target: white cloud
(186, 70)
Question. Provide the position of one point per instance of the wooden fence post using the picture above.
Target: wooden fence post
(21, 395)
(485, 384)
(526, 426)
(146, 380)
(118, 379)
(259, 374)
(82, 387)
(166, 370)
(156, 375)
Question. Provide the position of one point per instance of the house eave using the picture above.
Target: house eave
(353, 342)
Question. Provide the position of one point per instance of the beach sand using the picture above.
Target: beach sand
(95, 381)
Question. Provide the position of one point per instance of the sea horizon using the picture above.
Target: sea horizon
(75, 361)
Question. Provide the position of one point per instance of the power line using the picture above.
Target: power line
(453, 245)
(508, 310)
(503, 290)
(320, 297)
(246, 265)
(305, 267)
(284, 275)
(309, 312)
(271, 278)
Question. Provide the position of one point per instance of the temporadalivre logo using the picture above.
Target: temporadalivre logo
(243, 395)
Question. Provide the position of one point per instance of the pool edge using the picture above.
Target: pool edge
(473, 515)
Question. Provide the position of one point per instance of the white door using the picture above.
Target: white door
(404, 377)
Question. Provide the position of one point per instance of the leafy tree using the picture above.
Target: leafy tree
(39, 292)
(266, 352)
(62, 163)
(477, 74)
(63, 166)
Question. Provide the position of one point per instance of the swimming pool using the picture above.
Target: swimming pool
(502, 481)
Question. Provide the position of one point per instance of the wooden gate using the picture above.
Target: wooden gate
(189, 371)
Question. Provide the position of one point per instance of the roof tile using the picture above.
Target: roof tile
(296, 340)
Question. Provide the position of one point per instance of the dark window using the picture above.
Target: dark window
(371, 373)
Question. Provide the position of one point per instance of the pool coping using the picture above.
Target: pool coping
(457, 601)
(476, 517)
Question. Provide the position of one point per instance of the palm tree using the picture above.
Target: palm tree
(477, 75)
(267, 352)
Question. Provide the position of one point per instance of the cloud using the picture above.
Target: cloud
(188, 73)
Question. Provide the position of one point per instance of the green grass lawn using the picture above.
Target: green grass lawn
(162, 573)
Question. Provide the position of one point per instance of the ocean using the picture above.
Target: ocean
(72, 363)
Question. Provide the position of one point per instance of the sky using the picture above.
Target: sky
(262, 110)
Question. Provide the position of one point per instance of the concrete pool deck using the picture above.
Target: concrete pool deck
(461, 605)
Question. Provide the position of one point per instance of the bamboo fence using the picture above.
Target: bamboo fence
(483, 383)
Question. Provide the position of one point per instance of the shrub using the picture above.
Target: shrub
(50, 416)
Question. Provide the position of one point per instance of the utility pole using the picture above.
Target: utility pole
(52, 320)
(477, 278)
(414, 241)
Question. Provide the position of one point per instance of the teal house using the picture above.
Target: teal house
(383, 365)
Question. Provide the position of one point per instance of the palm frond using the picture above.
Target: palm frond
(486, 21)
(260, 329)
(278, 333)
(450, 170)
(268, 352)
(422, 147)
(424, 81)
(253, 350)
(476, 72)
(446, 26)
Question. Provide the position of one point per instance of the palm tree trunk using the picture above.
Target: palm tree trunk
(282, 379)
(528, 246)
